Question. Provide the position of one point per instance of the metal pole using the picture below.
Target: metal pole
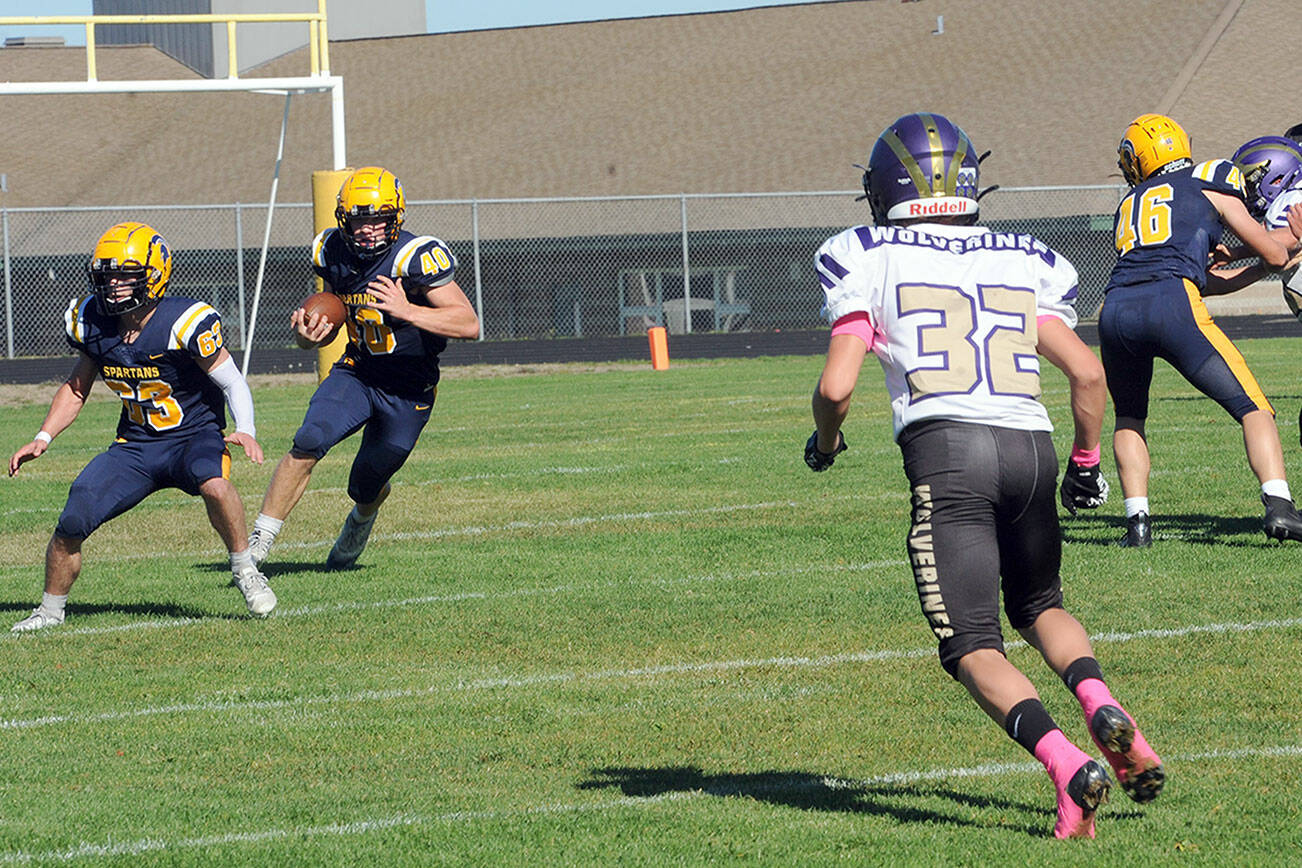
(337, 121)
(266, 236)
(239, 269)
(687, 277)
(9, 297)
(479, 284)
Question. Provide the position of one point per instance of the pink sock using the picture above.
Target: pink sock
(1062, 760)
(1059, 756)
(1094, 694)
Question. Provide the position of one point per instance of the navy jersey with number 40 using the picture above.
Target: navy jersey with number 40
(388, 353)
(164, 393)
(1165, 227)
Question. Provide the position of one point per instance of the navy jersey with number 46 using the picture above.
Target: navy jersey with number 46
(1165, 227)
(164, 393)
(388, 353)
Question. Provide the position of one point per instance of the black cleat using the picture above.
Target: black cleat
(1282, 520)
(1139, 534)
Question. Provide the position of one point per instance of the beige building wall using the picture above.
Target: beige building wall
(777, 98)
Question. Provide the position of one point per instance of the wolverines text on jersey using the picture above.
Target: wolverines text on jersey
(387, 352)
(959, 343)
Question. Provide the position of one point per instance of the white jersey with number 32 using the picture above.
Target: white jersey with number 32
(954, 310)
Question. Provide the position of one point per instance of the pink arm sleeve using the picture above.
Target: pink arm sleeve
(856, 324)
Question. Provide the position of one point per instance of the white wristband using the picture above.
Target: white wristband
(44, 436)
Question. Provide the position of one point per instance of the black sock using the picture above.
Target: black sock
(1027, 722)
(1079, 670)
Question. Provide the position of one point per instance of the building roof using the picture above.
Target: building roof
(770, 98)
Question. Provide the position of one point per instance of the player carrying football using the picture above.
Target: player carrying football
(403, 305)
(1165, 231)
(956, 313)
(164, 358)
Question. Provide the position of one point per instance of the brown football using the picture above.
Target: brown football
(328, 305)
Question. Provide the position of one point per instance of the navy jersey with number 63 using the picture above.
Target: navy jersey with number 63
(1165, 227)
(389, 353)
(164, 392)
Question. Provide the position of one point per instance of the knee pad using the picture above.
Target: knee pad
(313, 440)
(76, 520)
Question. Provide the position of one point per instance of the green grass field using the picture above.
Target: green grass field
(608, 616)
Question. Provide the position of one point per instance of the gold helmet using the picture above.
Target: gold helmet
(371, 192)
(1151, 142)
(131, 256)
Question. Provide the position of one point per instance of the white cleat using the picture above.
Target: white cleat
(38, 620)
(257, 593)
(259, 546)
(352, 539)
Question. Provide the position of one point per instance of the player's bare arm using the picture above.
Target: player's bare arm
(67, 403)
(831, 402)
(221, 368)
(1234, 214)
(451, 314)
(1089, 391)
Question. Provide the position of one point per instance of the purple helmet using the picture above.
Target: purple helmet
(923, 165)
(1270, 165)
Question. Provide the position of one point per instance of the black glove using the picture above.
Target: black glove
(820, 461)
(1083, 487)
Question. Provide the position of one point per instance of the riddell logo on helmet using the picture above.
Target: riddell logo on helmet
(931, 209)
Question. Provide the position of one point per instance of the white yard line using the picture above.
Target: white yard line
(347, 829)
(373, 697)
(547, 524)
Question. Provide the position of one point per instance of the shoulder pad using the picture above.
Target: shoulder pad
(1221, 176)
(425, 256)
(318, 246)
(74, 319)
(187, 325)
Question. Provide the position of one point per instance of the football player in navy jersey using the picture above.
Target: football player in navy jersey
(957, 315)
(165, 359)
(403, 305)
(1166, 229)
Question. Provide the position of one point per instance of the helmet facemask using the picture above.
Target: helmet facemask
(118, 289)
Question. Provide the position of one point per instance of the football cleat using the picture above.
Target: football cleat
(38, 620)
(1137, 767)
(1139, 533)
(259, 546)
(1282, 520)
(258, 595)
(352, 539)
(1079, 799)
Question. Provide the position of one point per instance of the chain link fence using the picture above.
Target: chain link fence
(534, 268)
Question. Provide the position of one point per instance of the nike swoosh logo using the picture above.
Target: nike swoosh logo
(423, 406)
(153, 356)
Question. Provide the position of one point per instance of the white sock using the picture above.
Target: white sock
(53, 604)
(268, 525)
(1276, 488)
(240, 560)
(1136, 505)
